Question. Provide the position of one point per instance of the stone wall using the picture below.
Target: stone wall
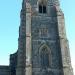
(4, 70)
(13, 63)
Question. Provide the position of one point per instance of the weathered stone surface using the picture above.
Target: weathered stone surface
(4, 70)
(42, 45)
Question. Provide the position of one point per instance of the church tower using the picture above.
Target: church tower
(42, 45)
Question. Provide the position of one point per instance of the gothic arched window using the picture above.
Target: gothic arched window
(42, 6)
(44, 57)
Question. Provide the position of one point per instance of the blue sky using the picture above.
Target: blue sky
(10, 21)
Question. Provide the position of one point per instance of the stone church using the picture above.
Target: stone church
(42, 44)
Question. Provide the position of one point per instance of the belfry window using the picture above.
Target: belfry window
(42, 9)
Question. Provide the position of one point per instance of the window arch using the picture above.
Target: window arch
(42, 6)
(45, 57)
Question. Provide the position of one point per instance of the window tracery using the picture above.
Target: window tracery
(43, 32)
(42, 6)
(45, 57)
